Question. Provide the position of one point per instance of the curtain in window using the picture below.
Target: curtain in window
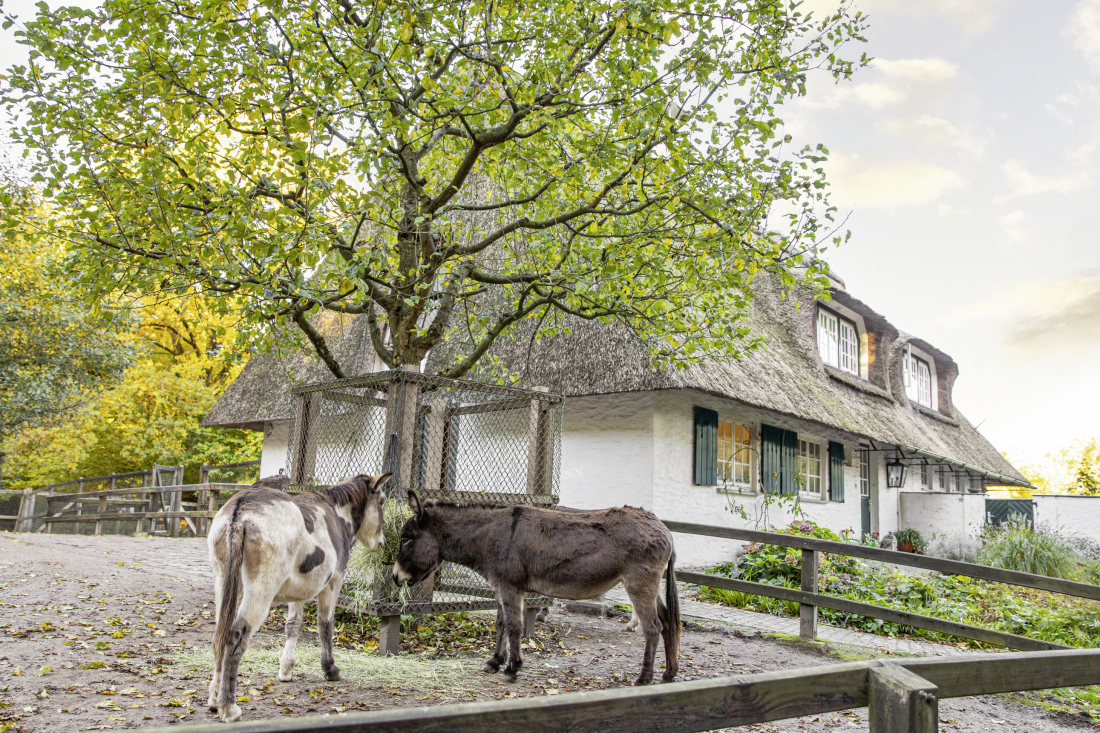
(778, 459)
(836, 471)
(706, 447)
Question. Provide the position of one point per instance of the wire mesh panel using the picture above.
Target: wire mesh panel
(449, 440)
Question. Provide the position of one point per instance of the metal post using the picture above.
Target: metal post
(807, 613)
(900, 701)
(389, 636)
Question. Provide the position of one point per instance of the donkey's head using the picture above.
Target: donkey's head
(364, 498)
(419, 553)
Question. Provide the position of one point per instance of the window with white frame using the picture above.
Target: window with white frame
(838, 341)
(918, 379)
(963, 483)
(925, 478)
(945, 485)
(810, 469)
(734, 454)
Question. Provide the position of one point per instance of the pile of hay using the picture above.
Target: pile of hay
(370, 574)
(440, 677)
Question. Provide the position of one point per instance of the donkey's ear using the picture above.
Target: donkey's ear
(415, 505)
(379, 481)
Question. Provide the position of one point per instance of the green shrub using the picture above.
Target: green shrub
(1023, 611)
(1018, 546)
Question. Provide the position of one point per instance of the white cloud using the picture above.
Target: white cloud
(1013, 226)
(1084, 31)
(938, 130)
(924, 71)
(881, 183)
(1025, 183)
(972, 16)
(875, 96)
(1045, 319)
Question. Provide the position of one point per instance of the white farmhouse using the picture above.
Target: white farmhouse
(834, 410)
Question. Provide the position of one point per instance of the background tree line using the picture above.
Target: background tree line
(88, 392)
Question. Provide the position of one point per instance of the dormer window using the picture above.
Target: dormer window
(918, 383)
(838, 341)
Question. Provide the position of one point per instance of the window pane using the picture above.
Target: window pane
(849, 348)
(809, 465)
(827, 337)
(742, 456)
(865, 473)
(725, 450)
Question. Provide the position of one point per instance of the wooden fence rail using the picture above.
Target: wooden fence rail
(144, 505)
(809, 599)
(903, 696)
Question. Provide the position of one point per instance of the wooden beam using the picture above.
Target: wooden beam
(950, 567)
(807, 613)
(986, 674)
(498, 406)
(676, 707)
(916, 620)
(900, 701)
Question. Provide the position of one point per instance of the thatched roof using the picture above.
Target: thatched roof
(784, 376)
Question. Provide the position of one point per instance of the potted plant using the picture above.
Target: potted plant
(910, 540)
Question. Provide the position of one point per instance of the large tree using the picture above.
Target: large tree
(447, 169)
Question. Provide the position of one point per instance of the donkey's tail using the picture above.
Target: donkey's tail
(231, 587)
(672, 599)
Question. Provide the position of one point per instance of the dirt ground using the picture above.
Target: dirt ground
(104, 633)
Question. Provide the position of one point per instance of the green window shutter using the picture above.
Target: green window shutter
(836, 471)
(706, 447)
(778, 459)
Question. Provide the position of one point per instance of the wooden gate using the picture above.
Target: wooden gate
(999, 511)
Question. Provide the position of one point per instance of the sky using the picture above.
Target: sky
(965, 159)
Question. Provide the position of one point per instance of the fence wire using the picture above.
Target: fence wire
(449, 440)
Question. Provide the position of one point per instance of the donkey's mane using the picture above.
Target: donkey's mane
(464, 505)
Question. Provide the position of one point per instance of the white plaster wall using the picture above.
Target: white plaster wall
(1069, 514)
(607, 451)
(276, 439)
(938, 513)
(889, 500)
(675, 496)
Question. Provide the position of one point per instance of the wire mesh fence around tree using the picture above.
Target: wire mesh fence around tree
(450, 440)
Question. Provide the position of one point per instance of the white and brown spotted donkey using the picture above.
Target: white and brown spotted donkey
(268, 546)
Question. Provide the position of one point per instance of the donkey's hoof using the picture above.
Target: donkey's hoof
(643, 680)
(332, 674)
(668, 677)
(491, 667)
(286, 677)
(231, 714)
(509, 677)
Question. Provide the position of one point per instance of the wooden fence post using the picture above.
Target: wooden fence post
(303, 443)
(435, 444)
(402, 408)
(539, 446)
(26, 511)
(100, 510)
(389, 636)
(807, 614)
(79, 507)
(900, 701)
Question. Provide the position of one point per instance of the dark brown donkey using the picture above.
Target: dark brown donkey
(571, 555)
